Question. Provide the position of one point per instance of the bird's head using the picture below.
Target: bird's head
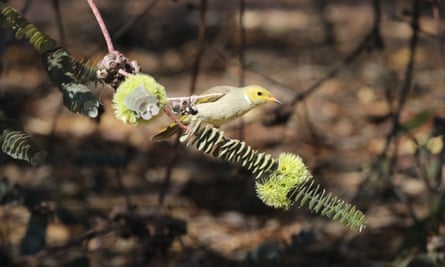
(258, 95)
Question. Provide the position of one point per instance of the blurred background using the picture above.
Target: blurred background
(361, 85)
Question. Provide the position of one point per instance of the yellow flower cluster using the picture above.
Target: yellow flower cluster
(138, 99)
(290, 173)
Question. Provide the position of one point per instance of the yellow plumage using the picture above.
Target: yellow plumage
(235, 103)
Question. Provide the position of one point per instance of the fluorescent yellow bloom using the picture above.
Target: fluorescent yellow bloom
(138, 99)
(291, 173)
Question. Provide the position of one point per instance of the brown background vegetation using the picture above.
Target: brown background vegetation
(342, 85)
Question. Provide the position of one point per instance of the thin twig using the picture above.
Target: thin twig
(349, 59)
(71, 243)
(124, 191)
(436, 16)
(403, 94)
(419, 167)
(241, 58)
(407, 83)
(247, 69)
(408, 80)
(102, 25)
(56, 6)
(201, 45)
(441, 158)
(242, 36)
(119, 33)
(372, 36)
(377, 18)
(424, 32)
(195, 73)
(168, 173)
(328, 26)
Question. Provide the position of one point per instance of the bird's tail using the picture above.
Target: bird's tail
(165, 133)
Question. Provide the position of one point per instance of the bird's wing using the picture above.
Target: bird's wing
(213, 94)
(208, 98)
(218, 89)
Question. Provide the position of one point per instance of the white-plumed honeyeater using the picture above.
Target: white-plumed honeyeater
(233, 104)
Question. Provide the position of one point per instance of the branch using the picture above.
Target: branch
(201, 45)
(408, 80)
(242, 35)
(119, 33)
(102, 25)
(280, 182)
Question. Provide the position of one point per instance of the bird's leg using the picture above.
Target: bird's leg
(173, 118)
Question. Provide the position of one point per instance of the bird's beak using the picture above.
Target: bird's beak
(274, 99)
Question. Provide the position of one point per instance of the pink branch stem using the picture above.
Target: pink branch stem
(102, 25)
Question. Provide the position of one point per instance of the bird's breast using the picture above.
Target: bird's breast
(227, 108)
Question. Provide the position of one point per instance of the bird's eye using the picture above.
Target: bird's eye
(259, 93)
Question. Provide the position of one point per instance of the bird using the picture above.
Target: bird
(235, 102)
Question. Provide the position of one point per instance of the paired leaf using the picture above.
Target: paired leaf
(60, 67)
(18, 144)
(12, 19)
(326, 204)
